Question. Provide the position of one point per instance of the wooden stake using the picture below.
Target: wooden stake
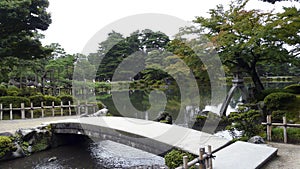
(284, 129)
(185, 162)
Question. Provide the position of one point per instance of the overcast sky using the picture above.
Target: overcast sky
(74, 22)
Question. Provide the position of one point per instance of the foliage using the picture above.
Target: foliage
(292, 133)
(245, 38)
(14, 100)
(20, 21)
(49, 99)
(36, 100)
(277, 115)
(3, 91)
(174, 158)
(6, 145)
(294, 88)
(66, 98)
(246, 120)
(276, 101)
(261, 96)
(273, 1)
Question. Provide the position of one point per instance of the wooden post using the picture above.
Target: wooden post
(209, 165)
(284, 129)
(31, 110)
(201, 153)
(78, 108)
(70, 112)
(269, 128)
(61, 109)
(22, 111)
(53, 110)
(197, 166)
(185, 162)
(10, 112)
(1, 111)
(86, 108)
(94, 108)
(42, 107)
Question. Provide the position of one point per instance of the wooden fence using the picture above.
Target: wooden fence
(204, 161)
(79, 108)
(284, 124)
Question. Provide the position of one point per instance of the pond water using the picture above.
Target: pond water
(90, 155)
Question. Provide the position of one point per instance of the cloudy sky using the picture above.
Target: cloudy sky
(74, 22)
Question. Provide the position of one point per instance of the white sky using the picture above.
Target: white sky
(74, 22)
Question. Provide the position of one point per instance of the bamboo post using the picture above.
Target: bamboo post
(42, 107)
(10, 112)
(197, 166)
(201, 153)
(284, 129)
(22, 111)
(78, 108)
(185, 162)
(86, 108)
(1, 111)
(53, 110)
(70, 112)
(209, 160)
(269, 128)
(31, 110)
(61, 109)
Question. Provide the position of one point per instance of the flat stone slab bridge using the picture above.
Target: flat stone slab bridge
(159, 138)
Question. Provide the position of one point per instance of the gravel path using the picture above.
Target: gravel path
(288, 157)
(13, 125)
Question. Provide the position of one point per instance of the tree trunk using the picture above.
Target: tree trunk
(256, 80)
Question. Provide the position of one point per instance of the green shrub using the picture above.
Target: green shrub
(13, 91)
(277, 115)
(27, 91)
(294, 88)
(14, 100)
(36, 100)
(49, 99)
(276, 101)
(66, 98)
(174, 158)
(293, 135)
(3, 91)
(6, 145)
(261, 96)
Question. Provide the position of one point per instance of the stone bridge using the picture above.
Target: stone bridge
(150, 136)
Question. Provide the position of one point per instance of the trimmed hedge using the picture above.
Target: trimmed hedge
(49, 99)
(36, 100)
(14, 100)
(294, 88)
(261, 96)
(66, 98)
(276, 101)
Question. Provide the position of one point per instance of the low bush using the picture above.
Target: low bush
(27, 91)
(14, 100)
(276, 101)
(66, 98)
(13, 91)
(293, 135)
(277, 115)
(261, 96)
(49, 99)
(174, 158)
(294, 88)
(6, 145)
(36, 100)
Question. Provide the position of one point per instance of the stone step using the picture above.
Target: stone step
(243, 155)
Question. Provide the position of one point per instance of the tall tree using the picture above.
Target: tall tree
(246, 38)
(20, 21)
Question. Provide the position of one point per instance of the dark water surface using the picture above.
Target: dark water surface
(99, 155)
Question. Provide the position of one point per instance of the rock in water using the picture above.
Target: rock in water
(52, 159)
(256, 140)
